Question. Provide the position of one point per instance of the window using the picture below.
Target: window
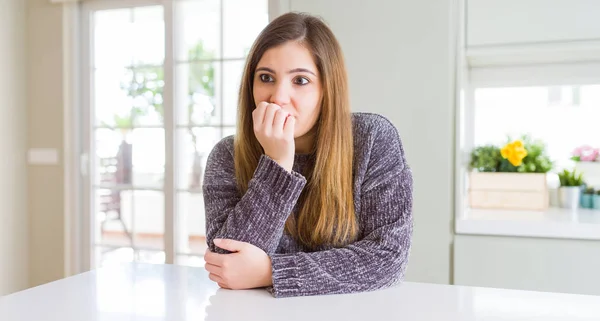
(564, 117)
(555, 102)
(161, 86)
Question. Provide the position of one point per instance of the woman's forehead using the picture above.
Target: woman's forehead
(288, 56)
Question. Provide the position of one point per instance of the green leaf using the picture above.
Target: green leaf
(486, 158)
(570, 178)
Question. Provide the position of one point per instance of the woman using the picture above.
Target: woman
(308, 198)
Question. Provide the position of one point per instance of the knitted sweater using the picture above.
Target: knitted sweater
(383, 204)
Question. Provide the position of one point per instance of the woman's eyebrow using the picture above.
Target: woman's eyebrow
(289, 72)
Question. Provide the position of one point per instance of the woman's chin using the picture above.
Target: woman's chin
(299, 134)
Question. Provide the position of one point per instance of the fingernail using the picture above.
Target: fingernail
(217, 241)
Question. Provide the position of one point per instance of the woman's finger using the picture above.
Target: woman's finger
(269, 116)
(215, 278)
(279, 120)
(213, 258)
(258, 115)
(213, 269)
(288, 128)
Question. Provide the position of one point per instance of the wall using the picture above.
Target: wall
(511, 22)
(533, 264)
(13, 143)
(401, 64)
(45, 110)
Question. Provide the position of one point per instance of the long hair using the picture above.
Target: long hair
(326, 213)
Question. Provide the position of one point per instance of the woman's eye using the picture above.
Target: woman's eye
(266, 78)
(301, 81)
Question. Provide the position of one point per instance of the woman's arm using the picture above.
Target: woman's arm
(380, 257)
(376, 261)
(258, 217)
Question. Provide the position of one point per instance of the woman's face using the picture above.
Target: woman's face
(287, 76)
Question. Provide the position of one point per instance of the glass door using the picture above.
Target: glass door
(160, 90)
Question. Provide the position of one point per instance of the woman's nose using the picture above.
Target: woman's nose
(281, 94)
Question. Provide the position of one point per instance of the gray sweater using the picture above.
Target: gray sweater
(382, 198)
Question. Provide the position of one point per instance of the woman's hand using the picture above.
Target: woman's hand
(274, 129)
(247, 267)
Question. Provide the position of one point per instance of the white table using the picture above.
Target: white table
(167, 292)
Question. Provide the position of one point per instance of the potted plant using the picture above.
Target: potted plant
(570, 188)
(511, 176)
(587, 162)
(585, 153)
(587, 199)
(485, 159)
(596, 200)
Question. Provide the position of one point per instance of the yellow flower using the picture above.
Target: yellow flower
(514, 152)
(506, 151)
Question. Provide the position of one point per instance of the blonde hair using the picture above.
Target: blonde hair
(326, 215)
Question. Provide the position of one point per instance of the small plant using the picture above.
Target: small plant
(589, 191)
(486, 158)
(598, 192)
(586, 153)
(570, 178)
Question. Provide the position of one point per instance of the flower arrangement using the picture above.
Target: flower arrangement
(495, 180)
(586, 153)
(523, 155)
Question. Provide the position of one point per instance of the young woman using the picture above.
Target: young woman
(307, 198)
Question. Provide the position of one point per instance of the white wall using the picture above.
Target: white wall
(400, 62)
(533, 264)
(509, 22)
(45, 194)
(14, 273)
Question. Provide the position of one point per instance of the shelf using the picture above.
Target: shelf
(554, 223)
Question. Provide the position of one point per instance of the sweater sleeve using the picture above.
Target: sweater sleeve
(257, 217)
(380, 257)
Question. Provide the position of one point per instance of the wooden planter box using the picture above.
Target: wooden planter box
(518, 191)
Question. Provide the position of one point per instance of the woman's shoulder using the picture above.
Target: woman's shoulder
(372, 126)
(378, 150)
(222, 151)
(376, 139)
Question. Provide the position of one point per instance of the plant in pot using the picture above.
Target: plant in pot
(570, 188)
(586, 153)
(596, 200)
(525, 155)
(511, 176)
(485, 158)
(587, 162)
(587, 199)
